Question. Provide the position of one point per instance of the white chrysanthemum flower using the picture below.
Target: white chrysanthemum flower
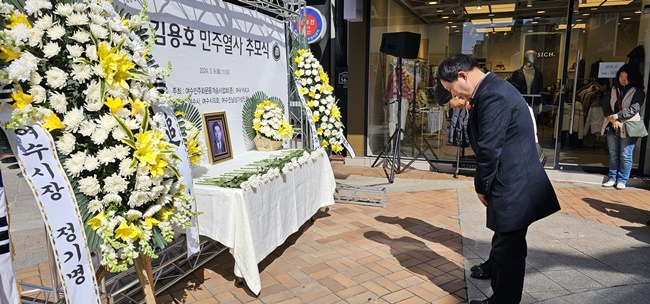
(58, 102)
(56, 32)
(81, 72)
(35, 37)
(118, 134)
(75, 50)
(81, 36)
(112, 198)
(91, 52)
(43, 23)
(51, 49)
(72, 119)
(152, 211)
(95, 206)
(64, 9)
(133, 215)
(98, 31)
(38, 93)
(115, 184)
(20, 32)
(125, 167)
(107, 121)
(79, 7)
(99, 136)
(56, 78)
(143, 182)
(91, 163)
(76, 20)
(105, 156)
(120, 151)
(21, 69)
(97, 19)
(65, 143)
(89, 186)
(75, 164)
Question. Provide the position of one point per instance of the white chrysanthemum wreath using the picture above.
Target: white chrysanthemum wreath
(269, 121)
(318, 93)
(85, 77)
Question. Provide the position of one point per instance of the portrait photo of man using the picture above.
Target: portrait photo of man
(218, 142)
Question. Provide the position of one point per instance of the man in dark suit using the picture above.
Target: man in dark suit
(509, 180)
(218, 144)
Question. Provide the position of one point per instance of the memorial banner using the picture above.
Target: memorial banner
(34, 148)
(176, 138)
(220, 53)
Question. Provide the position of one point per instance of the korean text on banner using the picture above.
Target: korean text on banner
(176, 138)
(34, 149)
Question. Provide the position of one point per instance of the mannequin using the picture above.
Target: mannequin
(528, 79)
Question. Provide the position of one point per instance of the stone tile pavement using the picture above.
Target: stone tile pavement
(417, 248)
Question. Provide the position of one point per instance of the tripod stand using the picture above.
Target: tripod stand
(394, 160)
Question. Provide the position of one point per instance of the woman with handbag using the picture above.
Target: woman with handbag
(621, 106)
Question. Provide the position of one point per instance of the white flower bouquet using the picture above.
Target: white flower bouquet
(85, 76)
(269, 121)
(318, 93)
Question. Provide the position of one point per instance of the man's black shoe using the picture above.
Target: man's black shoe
(486, 301)
(480, 274)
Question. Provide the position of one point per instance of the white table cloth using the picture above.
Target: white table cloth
(252, 223)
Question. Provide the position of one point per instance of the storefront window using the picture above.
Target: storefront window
(520, 41)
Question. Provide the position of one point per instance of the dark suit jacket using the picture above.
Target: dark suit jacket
(519, 81)
(508, 170)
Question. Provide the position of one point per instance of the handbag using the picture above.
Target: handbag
(499, 67)
(635, 128)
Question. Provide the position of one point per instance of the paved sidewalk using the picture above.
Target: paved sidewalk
(417, 249)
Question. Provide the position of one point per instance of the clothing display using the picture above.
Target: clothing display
(528, 80)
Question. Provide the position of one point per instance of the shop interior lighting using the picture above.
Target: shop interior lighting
(454, 26)
(637, 12)
(503, 29)
(445, 17)
(534, 22)
(627, 18)
(484, 30)
(502, 20)
(541, 12)
(433, 2)
(530, 3)
(482, 21)
(493, 8)
(592, 3)
(575, 26)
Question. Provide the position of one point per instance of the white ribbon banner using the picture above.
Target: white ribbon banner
(34, 148)
(176, 137)
(8, 288)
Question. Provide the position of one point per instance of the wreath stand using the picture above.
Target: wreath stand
(145, 276)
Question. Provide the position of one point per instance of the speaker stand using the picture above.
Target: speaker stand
(393, 158)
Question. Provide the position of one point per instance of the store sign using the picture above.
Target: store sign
(609, 69)
(343, 79)
(315, 25)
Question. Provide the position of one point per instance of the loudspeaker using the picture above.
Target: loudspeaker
(402, 44)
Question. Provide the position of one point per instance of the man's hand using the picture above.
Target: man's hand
(483, 199)
(611, 118)
(617, 125)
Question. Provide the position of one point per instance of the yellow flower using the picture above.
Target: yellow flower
(336, 112)
(329, 87)
(321, 89)
(312, 94)
(256, 126)
(18, 19)
(150, 221)
(260, 106)
(125, 231)
(298, 59)
(268, 103)
(303, 91)
(324, 143)
(156, 168)
(323, 76)
(8, 53)
(301, 52)
(136, 106)
(52, 122)
(337, 148)
(258, 114)
(315, 118)
(116, 67)
(165, 213)
(298, 73)
(319, 131)
(125, 21)
(180, 113)
(22, 100)
(310, 103)
(96, 221)
(114, 104)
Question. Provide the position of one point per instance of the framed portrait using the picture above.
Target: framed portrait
(217, 137)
